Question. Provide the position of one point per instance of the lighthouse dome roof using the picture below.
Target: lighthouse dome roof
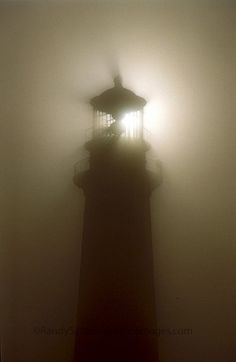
(117, 100)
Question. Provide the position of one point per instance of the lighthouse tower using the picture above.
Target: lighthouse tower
(116, 300)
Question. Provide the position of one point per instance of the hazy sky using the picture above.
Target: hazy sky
(180, 56)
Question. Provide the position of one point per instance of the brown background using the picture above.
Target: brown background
(54, 57)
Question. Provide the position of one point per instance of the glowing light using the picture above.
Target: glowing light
(131, 124)
(154, 121)
(155, 113)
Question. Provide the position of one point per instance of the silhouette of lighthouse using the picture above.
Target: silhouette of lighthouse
(116, 302)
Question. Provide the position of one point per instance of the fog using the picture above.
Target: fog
(180, 56)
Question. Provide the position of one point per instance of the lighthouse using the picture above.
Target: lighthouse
(116, 319)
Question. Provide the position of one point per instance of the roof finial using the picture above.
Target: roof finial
(118, 81)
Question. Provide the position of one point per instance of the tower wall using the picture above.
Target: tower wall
(116, 308)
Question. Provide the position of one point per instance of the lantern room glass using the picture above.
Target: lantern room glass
(131, 124)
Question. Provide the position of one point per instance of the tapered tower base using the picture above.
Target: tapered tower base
(116, 309)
